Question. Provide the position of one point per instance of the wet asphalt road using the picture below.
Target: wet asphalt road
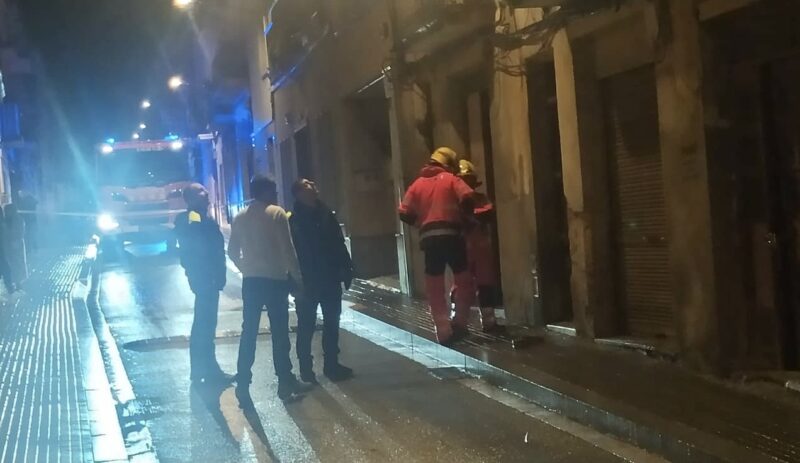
(395, 410)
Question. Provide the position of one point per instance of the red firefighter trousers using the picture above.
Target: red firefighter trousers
(441, 252)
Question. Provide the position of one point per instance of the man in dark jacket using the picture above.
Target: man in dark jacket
(202, 253)
(325, 264)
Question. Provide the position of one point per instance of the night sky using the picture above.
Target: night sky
(103, 56)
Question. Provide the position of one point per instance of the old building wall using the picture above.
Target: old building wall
(685, 165)
(514, 200)
(260, 95)
(585, 176)
(586, 53)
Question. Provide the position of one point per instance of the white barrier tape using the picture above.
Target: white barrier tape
(116, 215)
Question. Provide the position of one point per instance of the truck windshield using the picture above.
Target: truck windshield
(133, 168)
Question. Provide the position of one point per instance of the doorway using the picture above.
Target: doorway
(780, 94)
(551, 206)
(639, 218)
(755, 150)
(372, 217)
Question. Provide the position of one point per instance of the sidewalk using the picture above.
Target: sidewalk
(54, 399)
(655, 404)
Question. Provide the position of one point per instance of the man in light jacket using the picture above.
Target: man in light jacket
(261, 247)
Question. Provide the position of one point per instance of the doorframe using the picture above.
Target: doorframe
(405, 265)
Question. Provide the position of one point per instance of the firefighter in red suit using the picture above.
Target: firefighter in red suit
(480, 252)
(437, 203)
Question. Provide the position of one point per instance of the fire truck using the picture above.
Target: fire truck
(139, 189)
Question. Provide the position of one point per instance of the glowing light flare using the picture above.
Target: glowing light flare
(106, 148)
(182, 4)
(146, 104)
(107, 223)
(135, 136)
(175, 82)
(176, 145)
(142, 126)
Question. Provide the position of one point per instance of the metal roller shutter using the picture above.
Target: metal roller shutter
(637, 194)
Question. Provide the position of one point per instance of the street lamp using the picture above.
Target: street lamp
(142, 126)
(135, 135)
(175, 82)
(182, 4)
(146, 104)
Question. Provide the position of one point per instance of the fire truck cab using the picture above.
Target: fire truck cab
(139, 189)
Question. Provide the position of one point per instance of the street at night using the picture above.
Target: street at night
(395, 409)
(399, 231)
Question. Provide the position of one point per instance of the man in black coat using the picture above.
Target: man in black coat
(202, 253)
(326, 266)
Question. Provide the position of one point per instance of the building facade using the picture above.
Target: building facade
(640, 153)
(22, 124)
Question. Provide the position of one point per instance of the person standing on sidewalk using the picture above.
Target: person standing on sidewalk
(261, 247)
(437, 203)
(326, 265)
(5, 268)
(202, 254)
(480, 252)
(15, 245)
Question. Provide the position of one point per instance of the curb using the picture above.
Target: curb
(674, 441)
(108, 444)
(137, 441)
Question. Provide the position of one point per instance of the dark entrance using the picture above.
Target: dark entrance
(548, 184)
(781, 109)
(639, 218)
(753, 76)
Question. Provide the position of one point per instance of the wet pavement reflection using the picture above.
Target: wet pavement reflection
(394, 410)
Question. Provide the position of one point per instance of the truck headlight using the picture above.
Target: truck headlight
(107, 223)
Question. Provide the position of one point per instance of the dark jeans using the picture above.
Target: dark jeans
(274, 294)
(202, 355)
(330, 300)
(443, 251)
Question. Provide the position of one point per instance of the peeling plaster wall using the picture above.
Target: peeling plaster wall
(516, 219)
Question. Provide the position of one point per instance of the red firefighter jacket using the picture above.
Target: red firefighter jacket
(478, 235)
(435, 202)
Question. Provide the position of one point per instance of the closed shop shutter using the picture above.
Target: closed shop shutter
(637, 195)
